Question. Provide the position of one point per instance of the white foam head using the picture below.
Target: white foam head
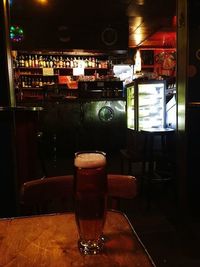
(90, 160)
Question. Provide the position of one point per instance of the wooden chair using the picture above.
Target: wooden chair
(55, 194)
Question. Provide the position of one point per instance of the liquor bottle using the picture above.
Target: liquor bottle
(36, 61)
(71, 63)
(99, 64)
(19, 60)
(26, 62)
(96, 63)
(57, 62)
(93, 64)
(80, 62)
(22, 61)
(64, 62)
(44, 62)
(29, 61)
(40, 82)
(47, 62)
(67, 63)
(25, 82)
(50, 62)
(29, 82)
(54, 62)
(22, 82)
(51, 81)
(33, 82)
(75, 63)
(44, 82)
(61, 62)
(33, 62)
(86, 62)
(48, 81)
(40, 61)
(15, 62)
(89, 62)
(37, 82)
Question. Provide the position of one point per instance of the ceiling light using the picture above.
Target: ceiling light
(140, 2)
(43, 2)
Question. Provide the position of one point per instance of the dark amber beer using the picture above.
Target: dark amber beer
(90, 199)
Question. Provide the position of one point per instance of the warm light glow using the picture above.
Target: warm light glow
(137, 67)
(138, 38)
(135, 32)
(42, 2)
(140, 2)
(174, 21)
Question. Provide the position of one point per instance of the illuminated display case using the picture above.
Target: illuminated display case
(145, 104)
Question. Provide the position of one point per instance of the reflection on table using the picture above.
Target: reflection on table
(51, 240)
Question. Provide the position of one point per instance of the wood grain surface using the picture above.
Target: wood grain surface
(51, 240)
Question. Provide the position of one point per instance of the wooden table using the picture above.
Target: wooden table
(51, 240)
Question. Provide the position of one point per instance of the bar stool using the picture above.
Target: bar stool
(159, 150)
(135, 153)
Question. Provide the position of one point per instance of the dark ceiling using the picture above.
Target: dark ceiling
(151, 23)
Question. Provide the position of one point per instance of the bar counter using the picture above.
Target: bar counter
(71, 124)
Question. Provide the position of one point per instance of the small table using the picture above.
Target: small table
(51, 240)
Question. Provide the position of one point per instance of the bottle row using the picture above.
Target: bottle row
(35, 82)
(51, 61)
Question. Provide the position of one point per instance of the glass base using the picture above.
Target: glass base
(91, 247)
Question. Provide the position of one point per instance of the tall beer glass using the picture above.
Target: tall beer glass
(90, 199)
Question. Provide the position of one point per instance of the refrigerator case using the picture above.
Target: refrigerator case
(146, 104)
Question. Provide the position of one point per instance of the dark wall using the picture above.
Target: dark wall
(71, 24)
(193, 98)
(194, 51)
(54, 34)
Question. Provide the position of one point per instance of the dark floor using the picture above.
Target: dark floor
(171, 238)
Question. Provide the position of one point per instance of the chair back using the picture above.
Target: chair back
(55, 194)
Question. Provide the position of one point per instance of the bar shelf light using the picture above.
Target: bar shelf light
(138, 64)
